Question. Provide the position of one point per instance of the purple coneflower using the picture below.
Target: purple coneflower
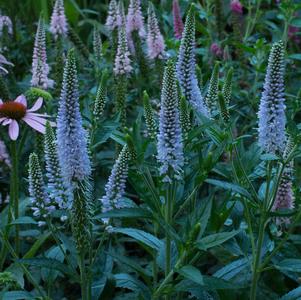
(12, 112)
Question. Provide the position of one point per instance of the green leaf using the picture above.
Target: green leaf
(206, 212)
(296, 56)
(296, 22)
(289, 264)
(129, 282)
(23, 220)
(230, 186)
(37, 244)
(17, 295)
(232, 269)
(125, 213)
(141, 236)
(215, 239)
(192, 273)
(48, 263)
(292, 295)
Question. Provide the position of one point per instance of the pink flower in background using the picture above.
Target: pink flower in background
(134, 18)
(58, 24)
(5, 21)
(4, 156)
(4, 61)
(155, 40)
(111, 22)
(236, 7)
(293, 34)
(178, 25)
(216, 50)
(14, 111)
(284, 198)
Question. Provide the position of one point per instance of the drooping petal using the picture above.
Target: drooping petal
(13, 130)
(34, 124)
(21, 99)
(37, 105)
(1, 102)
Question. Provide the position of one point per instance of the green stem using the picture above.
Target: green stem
(168, 219)
(14, 182)
(14, 255)
(83, 277)
(256, 270)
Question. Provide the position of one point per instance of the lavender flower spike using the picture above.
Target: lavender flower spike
(271, 113)
(41, 203)
(71, 136)
(170, 146)
(56, 189)
(155, 40)
(122, 64)
(40, 68)
(6, 21)
(135, 20)
(115, 186)
(186, 67)
(111, 22)
(58, 24)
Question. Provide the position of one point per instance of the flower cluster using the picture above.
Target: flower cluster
(5, 21)
(170, 146)
(97, 44)
(178, 25)
(57, 191)
(216, 50)
(40, 68)
(186, 67)
(122, 64)
(71, 136)
(115, 186)
(284, 198)
(58, 24)
(155, 40)
(236, 7)
(111, 22)
(134, 19)
(271, 113)
(41, 204)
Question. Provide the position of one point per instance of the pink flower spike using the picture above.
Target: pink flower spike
(13, 130)
(178, 25)
(236, 7)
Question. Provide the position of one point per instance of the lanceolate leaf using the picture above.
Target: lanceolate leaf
(215, 239)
